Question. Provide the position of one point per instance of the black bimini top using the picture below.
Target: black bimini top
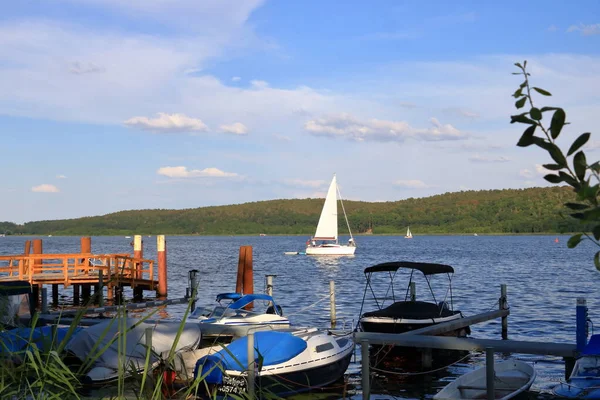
(425, 268)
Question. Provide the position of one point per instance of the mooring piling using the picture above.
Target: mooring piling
(489, 372)
(37, 265)
(503, 305)
(251, 365)
(581, 332)
(138, 252)
(86, 248)
(192, 291)
(269, 288)
(161, 247)
(239, 283)
(44, 300)
(413, 291)
(366, 375)
(332, 302)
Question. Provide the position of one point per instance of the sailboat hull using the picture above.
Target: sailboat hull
(330, 250)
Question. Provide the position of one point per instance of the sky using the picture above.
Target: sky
(109, 105)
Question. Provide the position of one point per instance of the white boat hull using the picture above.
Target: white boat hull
(511, 378)
(330, 250)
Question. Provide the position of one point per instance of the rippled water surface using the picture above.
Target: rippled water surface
(544, 279)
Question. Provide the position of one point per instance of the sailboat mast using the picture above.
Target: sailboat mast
(344, 211)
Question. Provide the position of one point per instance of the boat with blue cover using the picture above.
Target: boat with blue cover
(232, 316)
(287, 362)
(584, 381)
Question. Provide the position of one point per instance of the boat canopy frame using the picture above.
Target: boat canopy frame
(427, 269)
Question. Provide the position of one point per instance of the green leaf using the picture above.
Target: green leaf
(580, 165)
(521, 102)
(521, 118)
(553, 178)
(518, 93)
(526, 138)
(595, 167)
(596, 232)
(574, 240)
(577, 215)
(544, 109)
(552, 167)
(544, 144)
(542, 91)
(597, 260)
(557, 155)
(522, 85)
(592, 214)
(535, 113)
(570, 180)
(580, 141)
(558, 121)
(519, 65)
(577, 206)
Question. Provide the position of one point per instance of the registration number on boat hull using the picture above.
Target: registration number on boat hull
(233, 384)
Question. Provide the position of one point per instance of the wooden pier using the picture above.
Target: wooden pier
(86, 270)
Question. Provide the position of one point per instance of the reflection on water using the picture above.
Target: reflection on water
(544, 279)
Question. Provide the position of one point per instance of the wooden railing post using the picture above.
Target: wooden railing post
(161, 247)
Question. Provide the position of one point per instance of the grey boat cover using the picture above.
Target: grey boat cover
(163, 336)
(412, 310)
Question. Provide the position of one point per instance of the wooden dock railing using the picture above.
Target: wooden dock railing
(78, 268)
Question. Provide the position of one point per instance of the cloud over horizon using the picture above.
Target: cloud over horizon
(236, 128)
(183, 172)
(349, 127)
(167, 123)
(45, 188)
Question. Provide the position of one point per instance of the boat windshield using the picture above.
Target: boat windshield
(587, 366)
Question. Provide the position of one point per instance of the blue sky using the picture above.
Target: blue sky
(108, 105)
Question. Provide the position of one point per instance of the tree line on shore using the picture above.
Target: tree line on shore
(507, 211)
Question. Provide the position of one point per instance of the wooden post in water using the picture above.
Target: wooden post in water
(161, 247)
(489, 372)
(44, 300)
(55, 295)
(366, 381)
(100, 292)
(248, 275)
(503, 305)
(138, 252)
(332, 303)
(270, 284)
(86, 248)
(33, 269)
(413, 291)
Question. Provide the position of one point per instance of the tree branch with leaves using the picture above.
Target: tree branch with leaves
(583, 177)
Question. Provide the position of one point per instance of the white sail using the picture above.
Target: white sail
(408, 233)
(327, 228)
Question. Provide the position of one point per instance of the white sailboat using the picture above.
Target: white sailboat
(408, 234)
(327, 228)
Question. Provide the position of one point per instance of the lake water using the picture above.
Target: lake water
(544, 280)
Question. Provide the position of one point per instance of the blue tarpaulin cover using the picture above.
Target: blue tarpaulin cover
(17, 339)
(275, 348)
(249, 298)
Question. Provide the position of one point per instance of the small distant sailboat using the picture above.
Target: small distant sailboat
(408, 234)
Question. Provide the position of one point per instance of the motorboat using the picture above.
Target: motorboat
(325, 242)
(406, 313)
(511, 378)
(287, 362)
(584, 381)
(233, 317)
(113, 353)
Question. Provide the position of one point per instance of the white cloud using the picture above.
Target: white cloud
(552, 28)
(350, 127)
(167, 123)
(485, 159)
(411, 184)
(304, 183)
(257, 84)
(61, 177)
(237, 128)
(586, 30)
(236, 79)
(538, 170)
(183, 172)
(81, 68)
(45, 188)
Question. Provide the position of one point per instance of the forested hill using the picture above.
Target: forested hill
(532, 210)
